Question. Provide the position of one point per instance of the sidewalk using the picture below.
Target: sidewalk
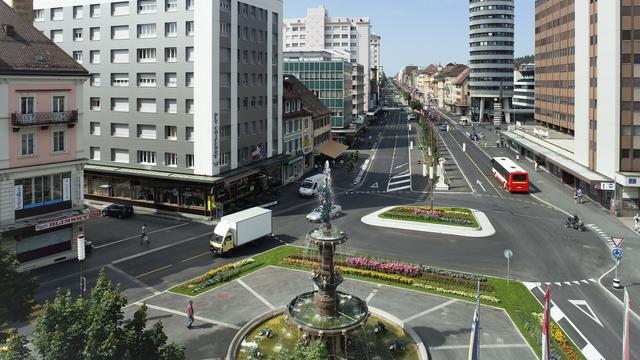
(139, 210)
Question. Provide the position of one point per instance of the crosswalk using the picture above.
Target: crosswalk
(399, 182)
(602, 233)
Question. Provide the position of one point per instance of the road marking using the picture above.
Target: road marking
(138, 236)
(399, 188)
(399, 182)
(134, 279)
(152, 271)
(196, 256)
(255, 293)
(199, 318)
(399, 166)
(374, 186)
(480, 183)
(482, 346)
(581, 305)
(438, 307)
(370, 296)
(135, 256)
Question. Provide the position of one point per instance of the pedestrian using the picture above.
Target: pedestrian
(498, 143)
(636, 223)
(517, 157)
(535, 165)
(575, 196)
(580, 195)
(190, 314)
(143, 234)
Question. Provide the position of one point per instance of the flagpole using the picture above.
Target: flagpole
(546, 322)
(625, 326)
(474, 341)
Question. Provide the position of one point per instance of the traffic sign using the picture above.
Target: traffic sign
(617, 241)
(616, 252)
(508, 254)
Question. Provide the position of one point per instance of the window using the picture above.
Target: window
(120, 104)
(171, 159)
(224, 158)
(94, 33)
(27, 144)
(146, 157)
(119, 130)
(120, 79)
(56, 35)
(171, 106)
(146, 131)
(78, 12)
(120, 56)
(225, 5)
(58, 104)
(147, 105)
(146, 6)
(170, 79)
(58, 141)
(147, 79)
(189, 5)
(56, 13)
(26, 105)
(120, 8)
(171, 132)
(146, 31)
(77, 34)
(94, 104)
(38, 15)
(120, 32)
(171, 29)
(94, 153)
(189, 54)
(95, 80)
(188, 79)
(189, 28)
(94, 128)
(189, 161)
(94, 10)
(120, 155)
(189, 133)
(171, 5)
(170, 54)
(147, 55)
(189, 109)
(94, 56)
(77, 56)
(225, 29)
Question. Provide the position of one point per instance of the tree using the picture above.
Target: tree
(16, 297)
(16, 347)
(415, 105)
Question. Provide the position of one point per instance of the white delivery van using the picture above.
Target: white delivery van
(311, 185)
(240, 228)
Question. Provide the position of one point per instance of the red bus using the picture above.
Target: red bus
(513, 177)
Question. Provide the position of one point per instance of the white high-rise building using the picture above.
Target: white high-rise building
(184, 99)
(375, 53)
(318, 31)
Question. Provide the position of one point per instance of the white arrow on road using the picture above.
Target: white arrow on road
(374, 186)
(581, 305)
(479, 183)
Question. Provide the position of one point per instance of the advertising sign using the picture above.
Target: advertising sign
(19, 194)
(66, 189)
(68, 220)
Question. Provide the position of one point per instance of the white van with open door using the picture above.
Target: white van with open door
(311, 185)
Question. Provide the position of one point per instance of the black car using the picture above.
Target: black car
(118, 210)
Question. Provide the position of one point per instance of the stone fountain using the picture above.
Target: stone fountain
(326, 313)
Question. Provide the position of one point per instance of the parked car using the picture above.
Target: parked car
(314, 216)
(118, 210)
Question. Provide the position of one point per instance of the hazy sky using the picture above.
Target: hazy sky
(420, 32)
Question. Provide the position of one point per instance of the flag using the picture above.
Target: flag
(546, 348)
(474, 344)
(625, 326)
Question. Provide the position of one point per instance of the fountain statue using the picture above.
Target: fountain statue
(327, 314)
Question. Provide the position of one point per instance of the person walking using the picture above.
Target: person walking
(580, 195)
(636, 222)
(190, 314)
(517, 157)
(575, 196)
(143, 234)
(535, 165)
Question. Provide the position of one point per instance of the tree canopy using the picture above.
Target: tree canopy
(16, 297)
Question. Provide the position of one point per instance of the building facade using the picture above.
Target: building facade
(154, 140)
(524, 92)
(357, 91)
(318, 31)
(42, 145)
(491, 27)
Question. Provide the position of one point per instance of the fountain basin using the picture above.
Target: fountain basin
(320, 236)
(352, 312)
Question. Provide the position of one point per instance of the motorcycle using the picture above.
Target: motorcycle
(575, 223)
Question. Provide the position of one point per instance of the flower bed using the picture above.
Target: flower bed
(217, 275)
(445, 216)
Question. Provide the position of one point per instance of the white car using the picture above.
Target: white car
(314, 216)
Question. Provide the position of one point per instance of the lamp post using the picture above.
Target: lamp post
(81, 257)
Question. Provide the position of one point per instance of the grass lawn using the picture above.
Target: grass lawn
(405, 213)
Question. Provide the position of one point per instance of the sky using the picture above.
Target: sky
(420, 32)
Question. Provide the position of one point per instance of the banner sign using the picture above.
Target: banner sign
(19, 194)
(68, 220)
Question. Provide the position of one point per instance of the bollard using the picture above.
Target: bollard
(616, 283)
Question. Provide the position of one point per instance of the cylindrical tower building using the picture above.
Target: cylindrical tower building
(490, 59)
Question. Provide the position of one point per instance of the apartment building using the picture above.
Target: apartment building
(42, 145)
(586, 99)
(319, 31)
(154, 141)
(357, 91)
(523, 92)
(376, 63)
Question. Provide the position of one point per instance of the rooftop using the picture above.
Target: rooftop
(294, 88)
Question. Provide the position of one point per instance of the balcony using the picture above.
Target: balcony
(44, 119)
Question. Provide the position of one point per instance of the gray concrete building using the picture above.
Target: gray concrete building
(154, 140)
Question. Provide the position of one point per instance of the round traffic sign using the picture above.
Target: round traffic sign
(508, 254)
(616, 252)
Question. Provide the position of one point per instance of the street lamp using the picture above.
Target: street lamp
(81, 257)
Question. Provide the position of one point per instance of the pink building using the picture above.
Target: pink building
(42, 154)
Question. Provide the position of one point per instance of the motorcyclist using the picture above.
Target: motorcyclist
(573, 220)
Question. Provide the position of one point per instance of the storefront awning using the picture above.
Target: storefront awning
(111, 170)
(333, 149)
